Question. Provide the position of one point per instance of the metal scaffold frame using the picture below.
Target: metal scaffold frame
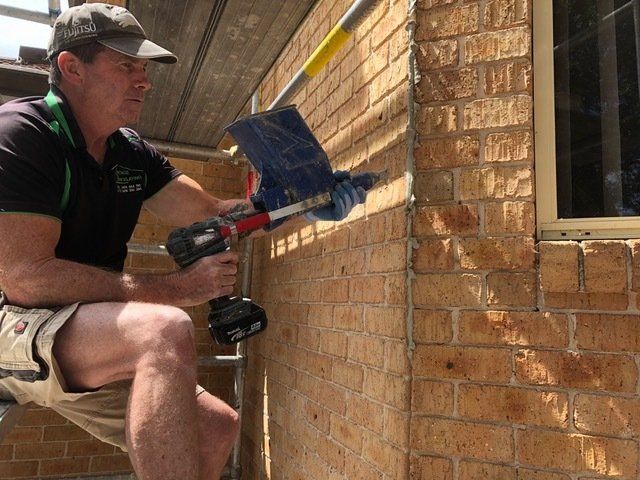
(33, 16)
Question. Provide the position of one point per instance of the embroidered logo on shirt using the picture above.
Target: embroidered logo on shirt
(20, 327)
(129, 180)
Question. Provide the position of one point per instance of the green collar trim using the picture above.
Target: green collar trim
(54, 104)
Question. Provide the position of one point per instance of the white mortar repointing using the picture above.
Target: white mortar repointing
(410, 172)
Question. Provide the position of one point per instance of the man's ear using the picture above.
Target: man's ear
(71, 67)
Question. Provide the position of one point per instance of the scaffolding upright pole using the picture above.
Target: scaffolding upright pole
(241, 348)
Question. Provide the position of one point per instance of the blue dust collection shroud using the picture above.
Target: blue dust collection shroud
(292, 164)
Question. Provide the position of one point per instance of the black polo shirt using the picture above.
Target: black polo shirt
(43, 172)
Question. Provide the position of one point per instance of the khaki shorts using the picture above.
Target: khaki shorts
(29, 373)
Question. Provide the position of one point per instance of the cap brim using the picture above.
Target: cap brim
(139, 48)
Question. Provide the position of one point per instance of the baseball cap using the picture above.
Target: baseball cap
(110, 25)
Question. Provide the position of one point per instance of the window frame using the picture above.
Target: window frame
(548, 225)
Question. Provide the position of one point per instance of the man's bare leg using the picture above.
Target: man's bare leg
(162, 414)
(153, 345)
(218, 428)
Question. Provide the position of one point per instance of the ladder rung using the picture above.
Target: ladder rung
(222, 361)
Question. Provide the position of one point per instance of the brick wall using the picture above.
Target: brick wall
(46, 445)
(327, 387)
(525, 364)
(521, 359)
(475, 261)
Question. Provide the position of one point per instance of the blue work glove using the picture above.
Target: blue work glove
(344, 197)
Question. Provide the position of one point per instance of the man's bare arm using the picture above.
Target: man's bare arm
(183, 201)
(31, 275)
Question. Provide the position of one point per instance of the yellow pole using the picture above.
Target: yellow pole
(333, 42)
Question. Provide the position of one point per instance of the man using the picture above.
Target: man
(108, 350)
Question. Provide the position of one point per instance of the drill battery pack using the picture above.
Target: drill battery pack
(233, 319)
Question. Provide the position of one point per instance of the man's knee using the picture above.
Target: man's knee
(219, 423)
(233, 423)
(230, 425)
(167, 330)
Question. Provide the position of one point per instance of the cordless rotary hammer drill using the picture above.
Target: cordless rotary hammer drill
(297, 179)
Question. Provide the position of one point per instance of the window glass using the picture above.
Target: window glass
(597, 107)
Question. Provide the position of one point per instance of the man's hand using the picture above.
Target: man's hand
(345, 196)
(209, 277)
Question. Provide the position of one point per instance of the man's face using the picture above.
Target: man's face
(114, 87)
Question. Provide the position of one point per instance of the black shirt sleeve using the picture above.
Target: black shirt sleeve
(160, 173)
(32, 164)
